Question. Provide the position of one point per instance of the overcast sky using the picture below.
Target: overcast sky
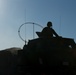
(13, 13)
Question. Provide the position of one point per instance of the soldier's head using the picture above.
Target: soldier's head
(49, 24)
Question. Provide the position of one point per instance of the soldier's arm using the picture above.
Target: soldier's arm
(55, 33)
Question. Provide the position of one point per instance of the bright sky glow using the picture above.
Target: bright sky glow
(13, 13)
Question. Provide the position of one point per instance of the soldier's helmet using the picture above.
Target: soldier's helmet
(49, 24)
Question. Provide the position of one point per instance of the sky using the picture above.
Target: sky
(14, 13)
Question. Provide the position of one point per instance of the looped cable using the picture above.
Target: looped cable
(33, 30)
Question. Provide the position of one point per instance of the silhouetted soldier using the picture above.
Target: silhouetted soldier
(49, 31)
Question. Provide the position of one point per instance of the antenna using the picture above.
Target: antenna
(25, 26)
(60, 26)
(33, 30)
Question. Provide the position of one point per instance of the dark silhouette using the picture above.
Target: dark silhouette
(9, 60)
(48, 31)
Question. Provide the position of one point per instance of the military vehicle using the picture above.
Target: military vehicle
(48, 56)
